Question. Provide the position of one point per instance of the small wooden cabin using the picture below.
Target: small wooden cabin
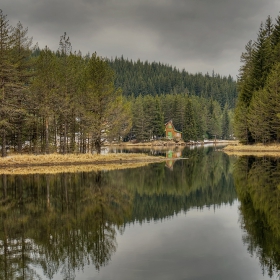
(171, 132)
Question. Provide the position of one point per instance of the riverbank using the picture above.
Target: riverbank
(163, 143)
(57, 163)
(253, 150)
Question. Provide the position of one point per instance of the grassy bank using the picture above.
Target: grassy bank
(56, 163)
(254, 150)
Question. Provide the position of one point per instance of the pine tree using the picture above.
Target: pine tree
(158, 119)
(258, 119)
(275, 39)
(246, 89)
(261, 58)
(66, 82)
(225, 123)
(140, 125)
(213, 125)
(24, 65)
(8, 82)
(43, 100)
(241, 126)
(189, 126)
(104, 102)
(276, 32)
(271, 100)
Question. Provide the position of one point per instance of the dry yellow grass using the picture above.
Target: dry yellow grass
(254, 150)
(56, 163)
(67, 169)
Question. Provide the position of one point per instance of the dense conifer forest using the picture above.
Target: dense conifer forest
(257, 116)
(62, 101)
(144, 78)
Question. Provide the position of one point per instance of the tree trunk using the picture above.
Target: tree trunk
(97, 145)
(4, 151)
(19, 140)
(47, 135)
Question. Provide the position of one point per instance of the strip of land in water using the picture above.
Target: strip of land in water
(167, 143)
(57, 163)
(258, 150)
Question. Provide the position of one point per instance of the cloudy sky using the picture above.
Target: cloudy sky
(198, 35)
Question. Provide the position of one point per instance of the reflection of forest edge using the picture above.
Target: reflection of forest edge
(257, 184)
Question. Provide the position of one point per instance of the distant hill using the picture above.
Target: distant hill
(145, 78)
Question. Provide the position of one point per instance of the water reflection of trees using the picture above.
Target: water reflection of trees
(204, 179)
(60, 223)
(257, 183)
(66, 221)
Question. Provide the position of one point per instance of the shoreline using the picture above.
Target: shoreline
(159, 143)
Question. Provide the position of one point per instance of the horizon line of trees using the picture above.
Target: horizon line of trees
(257, 114)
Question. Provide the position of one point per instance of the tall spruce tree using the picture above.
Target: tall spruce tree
(225, 123)
(140, 125)
(158, 119)
(189, 126)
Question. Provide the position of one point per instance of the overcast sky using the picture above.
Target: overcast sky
(198, 35)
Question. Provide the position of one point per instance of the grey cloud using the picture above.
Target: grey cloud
(198, 35)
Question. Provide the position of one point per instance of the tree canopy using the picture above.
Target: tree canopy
(258, 108)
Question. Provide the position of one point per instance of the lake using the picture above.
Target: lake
(207, 216)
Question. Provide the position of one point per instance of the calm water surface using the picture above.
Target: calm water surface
(208, 217)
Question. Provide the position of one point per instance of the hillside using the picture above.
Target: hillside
(145, 78)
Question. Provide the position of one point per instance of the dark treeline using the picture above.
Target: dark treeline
(137, 77)
(257, 113)
(257, 185)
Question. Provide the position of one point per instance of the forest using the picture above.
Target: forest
(66, 102)
(257, 115)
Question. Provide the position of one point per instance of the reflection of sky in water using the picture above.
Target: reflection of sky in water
(201, 244)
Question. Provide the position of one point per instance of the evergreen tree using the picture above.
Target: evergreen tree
(258, 120)
(275, 40)
(24, 65)
(140, 125)
(158, 119)
(8, 82)
(42, 104)
(104, 102)
(271, 102)
(213, 125)
(225, 123)
(66, 88)
(189, 128)
(261, 56)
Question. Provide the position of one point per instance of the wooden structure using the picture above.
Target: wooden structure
(171, 132)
